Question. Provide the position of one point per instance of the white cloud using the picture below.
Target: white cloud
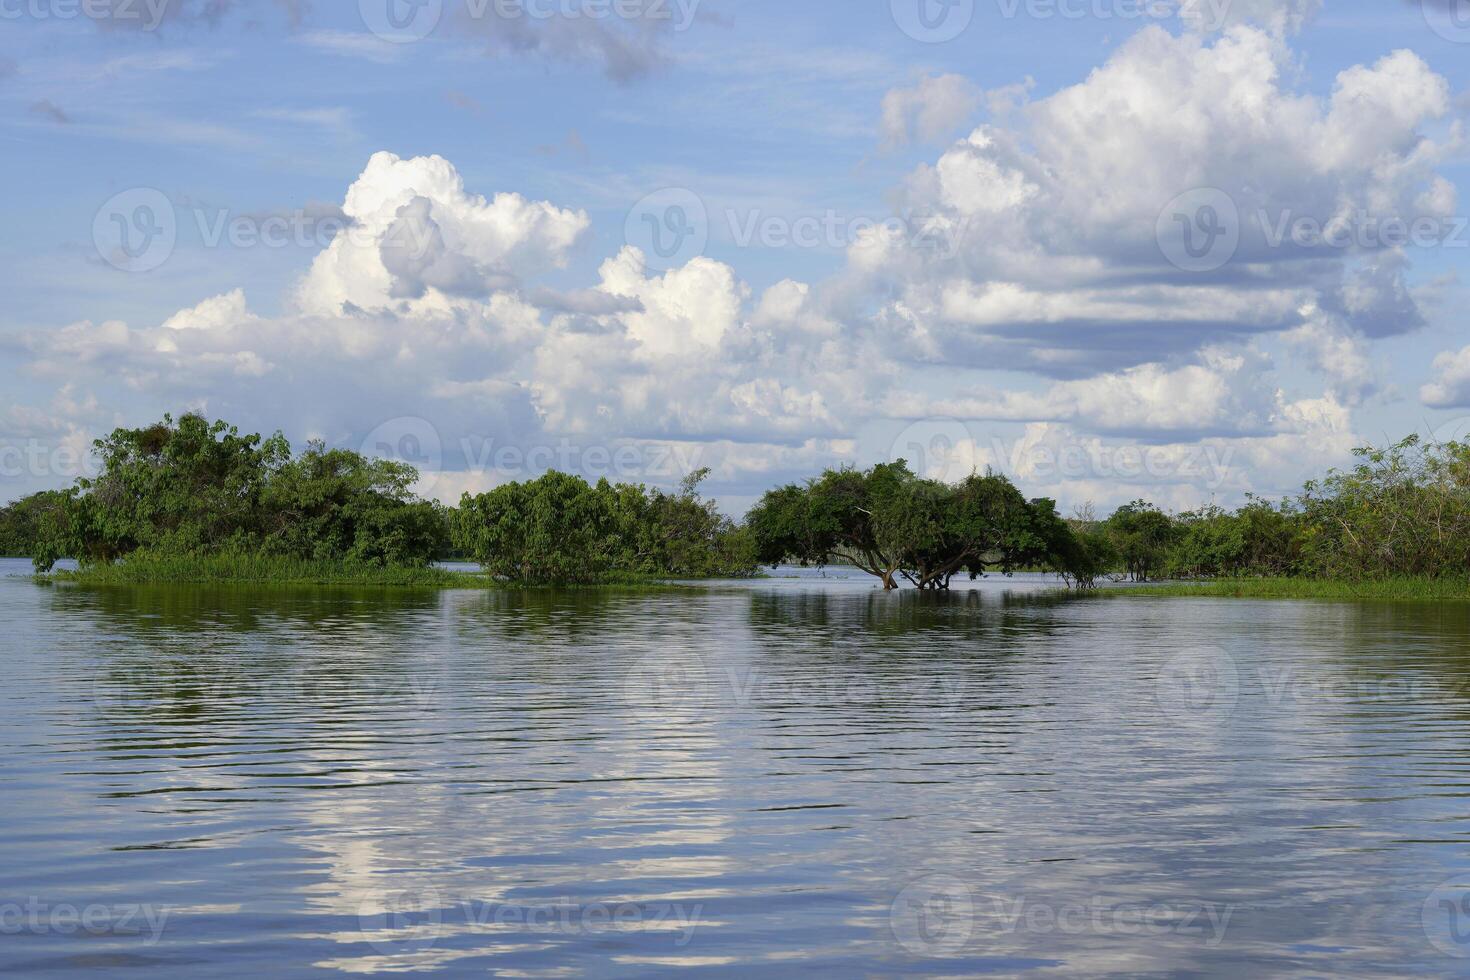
(1034, 250)
(1340, 356)
(1226, 392)
(448, 328)
(418, 235)
(1054, 261)
(227, 310)
(928, 111)
(1450, 386)
(352, 44)
(687, 310)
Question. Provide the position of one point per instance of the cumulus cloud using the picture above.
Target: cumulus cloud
(1225, 392)
(426, 307)
(1340, 356)
(1033, 245)
(1057, 228)
(416, 228)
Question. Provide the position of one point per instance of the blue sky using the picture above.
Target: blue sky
(1045, 337)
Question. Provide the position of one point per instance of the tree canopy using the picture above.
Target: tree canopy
(892, 524)
(193, 487)
(560, 530)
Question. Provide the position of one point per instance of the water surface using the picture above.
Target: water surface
(792, 776)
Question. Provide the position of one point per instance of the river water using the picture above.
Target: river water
(793, 776)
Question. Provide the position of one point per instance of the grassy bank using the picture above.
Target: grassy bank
(264, 570)
(1398, 589)
(145, 569)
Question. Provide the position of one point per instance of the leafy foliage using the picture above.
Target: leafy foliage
(560, 530)
(1402, 512)
(21, 523)
(891, 523)
(191, 493)
(197, 488)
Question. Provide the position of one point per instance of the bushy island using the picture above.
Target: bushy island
(196, 501)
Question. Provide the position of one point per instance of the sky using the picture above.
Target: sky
(1184, 251)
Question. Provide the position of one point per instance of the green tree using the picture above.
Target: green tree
(890, 523)
(1402, 510)
(193, 487)
(1142, 535)
(560, 530)
(845, 514)
(336, 504)
(22, 523)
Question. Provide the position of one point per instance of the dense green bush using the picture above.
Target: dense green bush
(1401, 512)
(560, 530)
(195, 488)
(22, 521)
(1142, 536)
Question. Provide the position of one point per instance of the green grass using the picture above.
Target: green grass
(264, 570)
(1397, 589)
(250, 569)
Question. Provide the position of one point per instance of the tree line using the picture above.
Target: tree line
(1399, 511)
(194, 488)
(198, 488)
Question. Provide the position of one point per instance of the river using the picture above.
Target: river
(791, 776)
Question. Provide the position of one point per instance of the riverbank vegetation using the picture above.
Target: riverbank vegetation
(191, 500)
(1400, 514)
(195, 501)
(1399, 588)
(255, 568)
(191, 490)
(20, 523)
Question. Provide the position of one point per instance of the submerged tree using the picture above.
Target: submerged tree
(892, 524)
(843, 514)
